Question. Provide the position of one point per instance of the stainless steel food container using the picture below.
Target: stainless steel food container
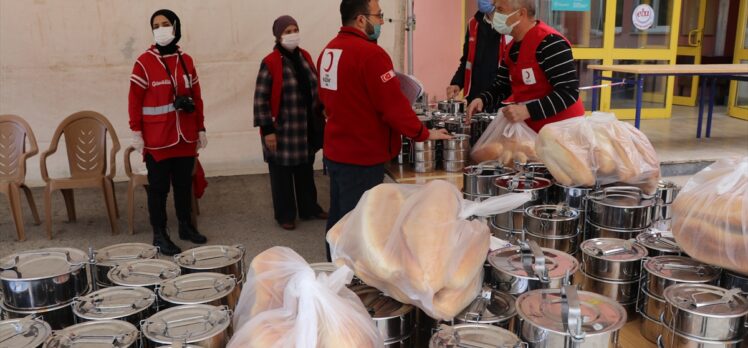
(551, 221)
(200, 325)
(705, 311)
(200, 288)
(474, 335)
(426, 145)
(624, 292)
(572, 196)
(146, 273)
(457, 142)
(513, 237)
(650, 329)
(58, 317)
(595, 231)
(658, 243)
(24, 332)
(492, 307)
(424, 156)
(732, 280)
(667, 191)
(519, 269)
(224, 259)
(108, 257)
(426, 120)
(479, 179)
(651, 306)
(43, 278)
(664, 271)
(424, 167)
(672, 339)
(621, 207)
(564, 244)
(452, 106)
(456, 155)
(553, 318)
(99, 334)
(454, 166)
(612, 259)
(130, 304)
(537, 187)
(536, 168)
(393, 319)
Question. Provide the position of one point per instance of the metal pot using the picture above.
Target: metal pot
(479, 179)
(595, 231)
(705, 311)
(732, 280)
(664, 271)
(131, 304)
(619, 291)
(457, 142)
(452, 106)
(474, 335)
(519, 269)
(426, 145)
(100, 334)
(535, 168)
(621, 207)
(200, 288)
(107, 258)
(201, 325)
(145, 273)
(672, 339)
(424, 167)
(43, 278)
(456, 155)
(572, 196)
(564, 244)
(424, 156)
(24, 333)
(222, 259)
(513, 237)
(393, 319)
(650, 328)
(551, 221)
(658, 243)
(553, 318)
(652, 306)
(667, 191)
(537, 187)
(492, 307)
(612, 259)
(454, 166)
(58, 317)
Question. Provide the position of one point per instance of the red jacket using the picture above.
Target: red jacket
(366, 111)
(274, 62)
(167, 133)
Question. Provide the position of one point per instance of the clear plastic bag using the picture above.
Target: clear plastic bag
(710, 215)
(285, 305)
(416, 244)
(506, 142)
(599, 149)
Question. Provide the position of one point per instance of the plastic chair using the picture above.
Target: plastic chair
(85, 139)
(14, 132)
(141, 179)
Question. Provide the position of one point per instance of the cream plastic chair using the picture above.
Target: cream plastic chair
(14, 132)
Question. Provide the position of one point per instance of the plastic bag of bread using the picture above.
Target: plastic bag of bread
(418, 245)
(710, 215)
(285, 305)
(599, 149)
(506, 142)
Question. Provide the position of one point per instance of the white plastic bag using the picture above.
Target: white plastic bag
(285, 305)
(416, 244)
(507, 142)
(584, 151)
(710, 215)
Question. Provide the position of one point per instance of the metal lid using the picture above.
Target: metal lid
(197, 288)
(681, 269)
(707, 300)
(522, 183)
(113, 303)
(552, 212)
(42, 263)
(378, 305)
(492, 306)
(658, 240)
(95, 334)
(622, 197)
(613, 249)
(190, 324)
(114, 254)
(24, 333)
(210, 257)
(545, 309)
(488, 168)
(143, 272)
(473, 335)
(523, 262)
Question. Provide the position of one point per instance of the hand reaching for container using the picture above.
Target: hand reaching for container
(439, 134)
(453, 91)
(271, 141)
(475, 106)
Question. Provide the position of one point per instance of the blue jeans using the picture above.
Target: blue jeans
(348, 182)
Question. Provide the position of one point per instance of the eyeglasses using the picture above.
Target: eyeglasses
(380, 15)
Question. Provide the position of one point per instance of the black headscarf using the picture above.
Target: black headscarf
(175, 23)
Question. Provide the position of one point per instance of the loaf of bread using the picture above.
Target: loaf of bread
(506, 142)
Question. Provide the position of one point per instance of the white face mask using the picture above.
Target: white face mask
(499, 23)
(163, 35)
(290, 41)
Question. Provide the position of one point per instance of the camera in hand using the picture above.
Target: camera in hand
(184, 103)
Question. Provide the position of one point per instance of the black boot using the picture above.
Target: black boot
(190, 233)
(163, 242)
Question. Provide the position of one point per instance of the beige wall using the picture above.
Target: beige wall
(61, 56)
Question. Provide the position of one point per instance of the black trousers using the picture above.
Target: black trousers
(178, 173)
(293, 188)
(347, 184)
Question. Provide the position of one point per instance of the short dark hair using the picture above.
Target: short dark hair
(351, 9)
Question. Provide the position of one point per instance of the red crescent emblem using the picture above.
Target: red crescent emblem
(329, 66)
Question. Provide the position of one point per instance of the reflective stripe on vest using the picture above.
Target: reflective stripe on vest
(158, 110)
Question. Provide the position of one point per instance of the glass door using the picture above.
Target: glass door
(691, 34)
(738, 103)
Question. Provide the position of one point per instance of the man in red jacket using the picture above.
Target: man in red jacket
(366, 111)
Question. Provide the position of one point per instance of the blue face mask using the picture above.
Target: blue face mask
(377, 31)
(485, 6)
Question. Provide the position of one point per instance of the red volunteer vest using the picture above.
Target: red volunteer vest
(528, 79)
(274, 62)
(472, 44)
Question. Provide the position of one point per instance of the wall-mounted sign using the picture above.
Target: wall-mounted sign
(570, 5)
(643, 17)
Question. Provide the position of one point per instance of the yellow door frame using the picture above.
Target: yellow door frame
(693, 50)
(741, 53)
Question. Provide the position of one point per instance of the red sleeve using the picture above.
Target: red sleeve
(198, 98)
(138, 86)
(384, 89)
